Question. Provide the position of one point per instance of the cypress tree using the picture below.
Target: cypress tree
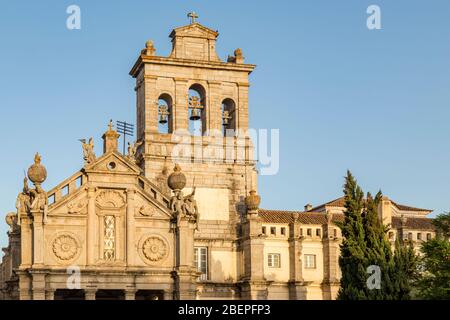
(353, 248)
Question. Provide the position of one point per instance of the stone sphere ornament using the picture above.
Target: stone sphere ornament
(176, 180)
(37, 172)
(252, 201)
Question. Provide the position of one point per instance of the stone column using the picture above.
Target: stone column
(331, 253)
(38, 238)
(91, 227)
(130, 226)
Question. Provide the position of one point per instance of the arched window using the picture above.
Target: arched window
(165, 114)
(197, 110)
(228, 117)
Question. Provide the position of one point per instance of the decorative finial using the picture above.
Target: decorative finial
(192, 15)
(176, 180)
(37, 172)
(37, 158)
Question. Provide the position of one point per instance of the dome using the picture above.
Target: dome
(37, 172)
(177, 179)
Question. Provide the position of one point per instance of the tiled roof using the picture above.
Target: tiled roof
(408, 208)
(340, 202)
(414, 223)
(283, 216)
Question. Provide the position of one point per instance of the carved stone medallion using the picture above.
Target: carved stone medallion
(154, 249)
(65, 247)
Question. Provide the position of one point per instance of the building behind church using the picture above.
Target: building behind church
(137, 226)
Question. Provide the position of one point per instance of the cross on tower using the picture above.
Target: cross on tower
(192, 15)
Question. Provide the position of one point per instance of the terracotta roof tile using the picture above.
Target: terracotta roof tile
(340, 202)
(415, 223)
(283, 216)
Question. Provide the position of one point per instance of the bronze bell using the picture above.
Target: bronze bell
(195, 114)
(226, 117)
(163, 113)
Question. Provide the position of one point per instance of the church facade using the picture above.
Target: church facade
(178, 216)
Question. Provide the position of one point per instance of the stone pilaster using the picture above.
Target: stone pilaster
(91, 227)
(297, 289)
(89, 293)
(180, 108)
(26, 242)
(38, 285)
(151, 104)
(130, 228)
(130, 294)
(24, 285)
(254, 284)
(38, 238)
(185, 274)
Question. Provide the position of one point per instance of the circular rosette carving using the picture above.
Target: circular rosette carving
(153, 249)
(65, 247)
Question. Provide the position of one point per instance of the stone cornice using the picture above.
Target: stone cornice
(217, 65)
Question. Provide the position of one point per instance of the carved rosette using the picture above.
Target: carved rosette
(65, 247)
(154, 249)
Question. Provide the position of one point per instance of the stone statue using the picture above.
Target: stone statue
(88, 150)
(12, 221)
(39, 200)
(23, 202)
(132, 149)
(177, 205)
(190, 208)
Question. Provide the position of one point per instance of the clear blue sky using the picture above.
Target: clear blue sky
(343, 97)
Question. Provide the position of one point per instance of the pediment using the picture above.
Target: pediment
(195, 30)
(146, 207)
(113, 162)
(73, 204)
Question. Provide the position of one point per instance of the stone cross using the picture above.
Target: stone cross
(192, 15)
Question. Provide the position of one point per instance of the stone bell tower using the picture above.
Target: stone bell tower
(192, 109)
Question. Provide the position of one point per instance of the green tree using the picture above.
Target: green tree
(365, 244)
(434, 283)
(352, 260)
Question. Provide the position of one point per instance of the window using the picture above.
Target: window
(273, 230)
(428, 236)
(335, 233)
(301, 232)
(310, 261)
(283, 231)
(410, 236)
(201, 261)
(273, 260)
(309, 232)
(264, 230)
(317, 232)
(391, 235)
(419, 236)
